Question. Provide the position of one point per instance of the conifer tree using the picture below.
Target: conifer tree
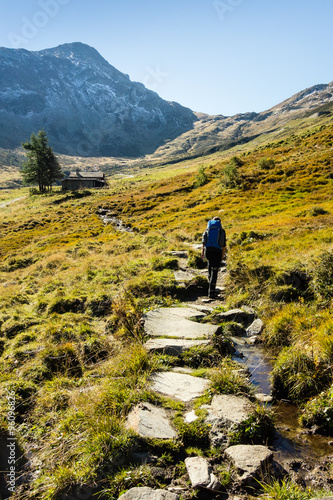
(42, 166)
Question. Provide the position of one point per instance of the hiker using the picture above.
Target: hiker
(213, 249)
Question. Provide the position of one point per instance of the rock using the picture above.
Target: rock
(174, 322)
(251, 461)
(238, 315)
(264, 398)
(146, 493)
(253, 340)
(225, 413)
(178, 385)
(182, 369)
(322, 498)
(173, 347)
(201, 474)
(181, 254)
(190, 417)
(150, 422)
(255, 328)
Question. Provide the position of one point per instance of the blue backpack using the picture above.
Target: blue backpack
(213, 233)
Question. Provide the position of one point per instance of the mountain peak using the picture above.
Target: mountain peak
(87, 106)
(75, 51)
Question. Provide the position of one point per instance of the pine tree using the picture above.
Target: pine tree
(42, 166)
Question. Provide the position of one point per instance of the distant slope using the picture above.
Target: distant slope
(87, 107)
(219, 133)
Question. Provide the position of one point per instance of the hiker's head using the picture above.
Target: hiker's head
(217, 218)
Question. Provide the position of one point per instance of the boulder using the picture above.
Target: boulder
(146, 493)
(179, 385)
(174, 322)
(237, 315)
(255, 328)
(225, 413)
(251, 462)
(201, 474)
(150, 422)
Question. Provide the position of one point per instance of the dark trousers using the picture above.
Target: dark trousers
(214, 257)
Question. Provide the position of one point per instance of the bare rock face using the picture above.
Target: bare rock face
(251, 462)
(146, 493)
(201, 474)
(150, 422)
(225, 413)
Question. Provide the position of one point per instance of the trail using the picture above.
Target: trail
(6, 203)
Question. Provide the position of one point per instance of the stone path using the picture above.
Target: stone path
(173, 331)
(6, 203)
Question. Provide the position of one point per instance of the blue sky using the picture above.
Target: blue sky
(214, 56)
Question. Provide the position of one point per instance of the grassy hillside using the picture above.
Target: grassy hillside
(73, 291)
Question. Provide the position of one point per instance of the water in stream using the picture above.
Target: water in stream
(292, 442)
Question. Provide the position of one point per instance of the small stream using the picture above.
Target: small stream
(292, 442)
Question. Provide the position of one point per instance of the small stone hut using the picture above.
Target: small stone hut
(83, 180)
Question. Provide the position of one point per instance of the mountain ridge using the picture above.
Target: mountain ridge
(90, 109)
(87, 106)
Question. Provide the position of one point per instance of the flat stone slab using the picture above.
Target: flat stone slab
(150, 422)
(146, 493)
(179, 385)
(201, 474)
(232, 409)
(173, 347)
(251, 461)
(225, 413)
(174, 322)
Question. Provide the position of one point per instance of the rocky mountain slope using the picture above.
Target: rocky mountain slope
(218, 133)
(87, 107)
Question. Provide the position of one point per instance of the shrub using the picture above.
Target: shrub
(160, 263)
(228, 380)
(201, 356)
(67, 304)
(297, 375)
(231, 177)
(285, 490)
(319, 412)
(195, 261)
(201, 177)
(323, 276)
(63, 359)
(266, 163)
(258, 428)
